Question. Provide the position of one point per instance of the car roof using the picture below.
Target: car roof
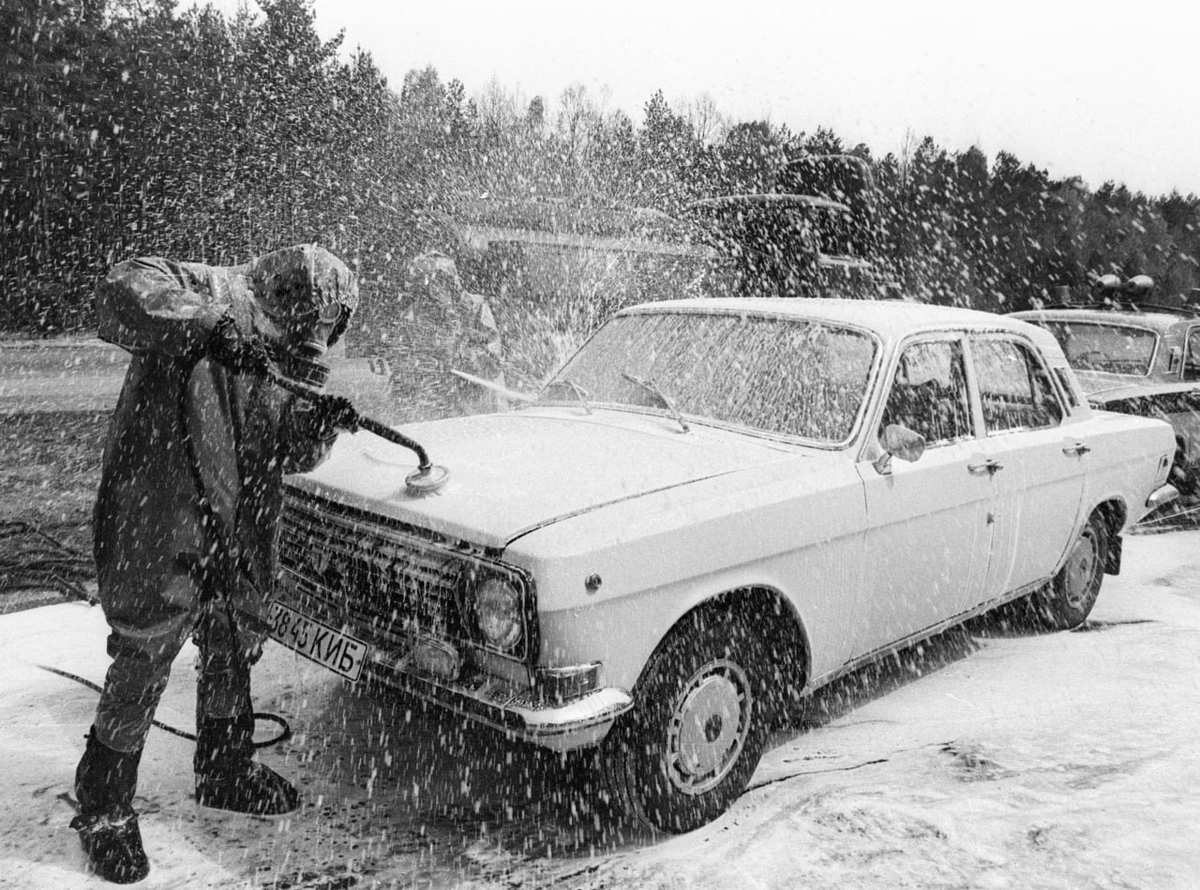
(892, 319)
(1157, 321)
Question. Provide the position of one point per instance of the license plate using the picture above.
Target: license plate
(319, 642)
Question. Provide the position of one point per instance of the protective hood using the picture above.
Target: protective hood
(294, 285)
(513, 472)
(433, 276)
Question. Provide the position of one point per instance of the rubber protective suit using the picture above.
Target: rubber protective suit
(187, 515)
(443, 326)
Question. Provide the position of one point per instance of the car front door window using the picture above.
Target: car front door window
(929, 393)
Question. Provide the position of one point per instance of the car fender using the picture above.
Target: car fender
(1115, 472)
(612, 583)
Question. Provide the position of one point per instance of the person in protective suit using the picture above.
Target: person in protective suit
(188, 510)
(443, 327)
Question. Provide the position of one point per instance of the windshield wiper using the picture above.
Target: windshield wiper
(578, 391)
(651, 387)
(493, 386)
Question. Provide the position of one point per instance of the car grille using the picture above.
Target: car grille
(388, 584)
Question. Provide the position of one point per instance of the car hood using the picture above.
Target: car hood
(1099, 383)
(1102, 388)
(514, 472)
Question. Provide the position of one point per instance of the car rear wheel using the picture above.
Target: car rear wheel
(697, 730)
(1067, 600)
(1184, 479)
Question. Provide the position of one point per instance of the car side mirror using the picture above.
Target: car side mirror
(898, 441)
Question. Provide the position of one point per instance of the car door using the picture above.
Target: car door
(1038, 463)
(927, 521)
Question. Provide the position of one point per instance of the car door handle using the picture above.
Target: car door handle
(991, 465)
(1079, 449)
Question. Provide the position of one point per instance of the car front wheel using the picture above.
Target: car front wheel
(1067, 600)
(697, 731)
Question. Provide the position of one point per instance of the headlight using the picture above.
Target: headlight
(499, 614)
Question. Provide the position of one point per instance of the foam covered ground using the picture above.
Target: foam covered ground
(986, 761)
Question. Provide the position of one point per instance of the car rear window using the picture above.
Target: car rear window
(1014, 389)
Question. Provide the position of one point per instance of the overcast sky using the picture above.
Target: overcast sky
(1100, 90)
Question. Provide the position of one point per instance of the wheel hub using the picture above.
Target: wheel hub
(1080, 570)
(712, 729)
(708, 727)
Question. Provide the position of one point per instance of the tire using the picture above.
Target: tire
(1183, 478)
(1067, 600)
(697, 730)
(1188, 485)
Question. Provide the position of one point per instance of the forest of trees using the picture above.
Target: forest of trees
(130, 128)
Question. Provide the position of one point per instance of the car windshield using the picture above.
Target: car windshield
(795, 377)
(1094, 346)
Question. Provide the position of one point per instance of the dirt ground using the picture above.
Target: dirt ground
(49, 470)
(55, 402)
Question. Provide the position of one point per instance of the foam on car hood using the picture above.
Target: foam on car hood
(516, 471)
(1104, 389)
(1097, 383)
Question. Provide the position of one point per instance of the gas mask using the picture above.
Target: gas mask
(309, 337)
(308, 295)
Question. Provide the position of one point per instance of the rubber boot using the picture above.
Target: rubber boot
(107, 824)
(228, 777)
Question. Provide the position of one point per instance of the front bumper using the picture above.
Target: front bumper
(508, 707)
(395, 591)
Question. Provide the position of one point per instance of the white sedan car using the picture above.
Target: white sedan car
(714, 508)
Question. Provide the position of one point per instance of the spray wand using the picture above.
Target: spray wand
(238, 352)
(427, 478)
